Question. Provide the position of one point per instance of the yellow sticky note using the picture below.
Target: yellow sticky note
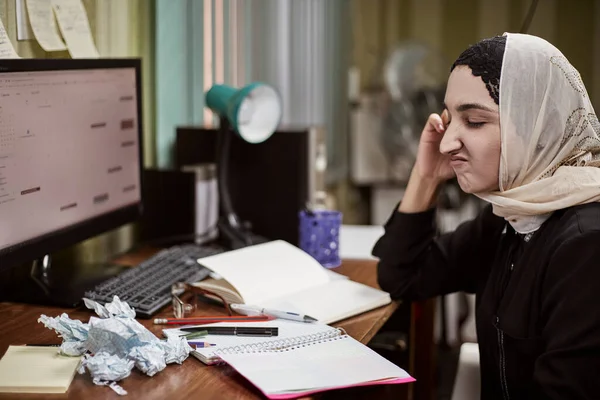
(6, 48)
(36, 369)
(75, 28)
(44, 26)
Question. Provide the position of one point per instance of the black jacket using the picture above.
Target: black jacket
(538, 297)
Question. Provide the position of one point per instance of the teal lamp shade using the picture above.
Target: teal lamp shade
(253, 111)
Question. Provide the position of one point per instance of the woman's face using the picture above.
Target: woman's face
(472, 137)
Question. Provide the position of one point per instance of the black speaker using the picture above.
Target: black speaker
(269, 182)
(169, 206)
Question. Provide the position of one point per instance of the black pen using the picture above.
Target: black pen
(235, 330)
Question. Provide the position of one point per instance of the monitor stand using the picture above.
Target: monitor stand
(60, 284)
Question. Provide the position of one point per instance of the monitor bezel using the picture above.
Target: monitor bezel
(35, 248)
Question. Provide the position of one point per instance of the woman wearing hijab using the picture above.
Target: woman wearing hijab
(518, 131)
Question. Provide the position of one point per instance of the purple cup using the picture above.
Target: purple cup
(320, 235)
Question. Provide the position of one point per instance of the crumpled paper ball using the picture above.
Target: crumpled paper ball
(114, 343)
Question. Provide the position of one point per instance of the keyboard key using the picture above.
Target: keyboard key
(147, 286)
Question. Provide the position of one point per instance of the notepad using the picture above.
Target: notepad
(286, 369)
(281, 276)
(305, 358)
(36, 369)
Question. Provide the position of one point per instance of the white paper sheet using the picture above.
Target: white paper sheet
(333, 301)
(6, 48)
(339, 362)
(44, 26)
(75, 28)
(281, 276)
(267, 271)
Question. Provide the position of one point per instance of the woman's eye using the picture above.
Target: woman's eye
(475, 124)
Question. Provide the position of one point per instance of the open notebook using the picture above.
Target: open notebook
(281, 276)
(36, 369)
(288, 330)
(303, 359)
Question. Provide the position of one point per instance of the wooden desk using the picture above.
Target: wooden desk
(192, 379)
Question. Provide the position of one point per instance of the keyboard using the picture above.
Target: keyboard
(147, 286)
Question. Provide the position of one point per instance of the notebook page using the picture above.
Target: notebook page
(287, 329)
(332, 301)
(334, 363)
(31, 369)
(265, 271)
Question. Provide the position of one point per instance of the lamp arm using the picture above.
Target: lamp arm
(229, 225)
(224, 146)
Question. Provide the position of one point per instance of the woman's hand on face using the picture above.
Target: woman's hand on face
(431, 164)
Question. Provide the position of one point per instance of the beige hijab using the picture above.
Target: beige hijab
(550, 136)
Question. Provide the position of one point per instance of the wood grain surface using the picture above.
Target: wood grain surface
(192, 379)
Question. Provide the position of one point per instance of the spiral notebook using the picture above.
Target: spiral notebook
(304, 359)
(288, 330)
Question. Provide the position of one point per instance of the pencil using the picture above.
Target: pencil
(210, 320)
(202, 344)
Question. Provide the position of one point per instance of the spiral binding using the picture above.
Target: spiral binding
(281, 345)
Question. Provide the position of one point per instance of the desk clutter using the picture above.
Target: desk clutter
(113, 343)
(294, 296)
(280, 341)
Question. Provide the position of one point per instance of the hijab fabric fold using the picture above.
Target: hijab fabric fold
(550, 136)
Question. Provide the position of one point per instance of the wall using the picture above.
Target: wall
(197, 43)
(302, 48)
(450, 26)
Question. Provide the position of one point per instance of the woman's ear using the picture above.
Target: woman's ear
(445, 118)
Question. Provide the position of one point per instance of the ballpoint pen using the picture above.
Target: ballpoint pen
(253, 310)
(233, 330)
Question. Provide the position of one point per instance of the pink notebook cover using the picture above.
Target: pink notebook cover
(295, 395)
(309, 392)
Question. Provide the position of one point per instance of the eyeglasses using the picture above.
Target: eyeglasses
(182, 290)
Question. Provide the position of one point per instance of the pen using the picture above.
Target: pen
(195, 335)
(253, 310)
(210, 320)
(235, 330)
(201, 344)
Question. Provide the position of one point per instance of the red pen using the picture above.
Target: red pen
(210, 320)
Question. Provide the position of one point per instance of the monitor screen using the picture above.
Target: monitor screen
(70, 154)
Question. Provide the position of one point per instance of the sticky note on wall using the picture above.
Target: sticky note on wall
(6, 48)
(44, 26)
(75, 28)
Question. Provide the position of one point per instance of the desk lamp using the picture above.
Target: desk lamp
(252, 112)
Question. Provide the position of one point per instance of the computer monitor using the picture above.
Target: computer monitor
(70, 153)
